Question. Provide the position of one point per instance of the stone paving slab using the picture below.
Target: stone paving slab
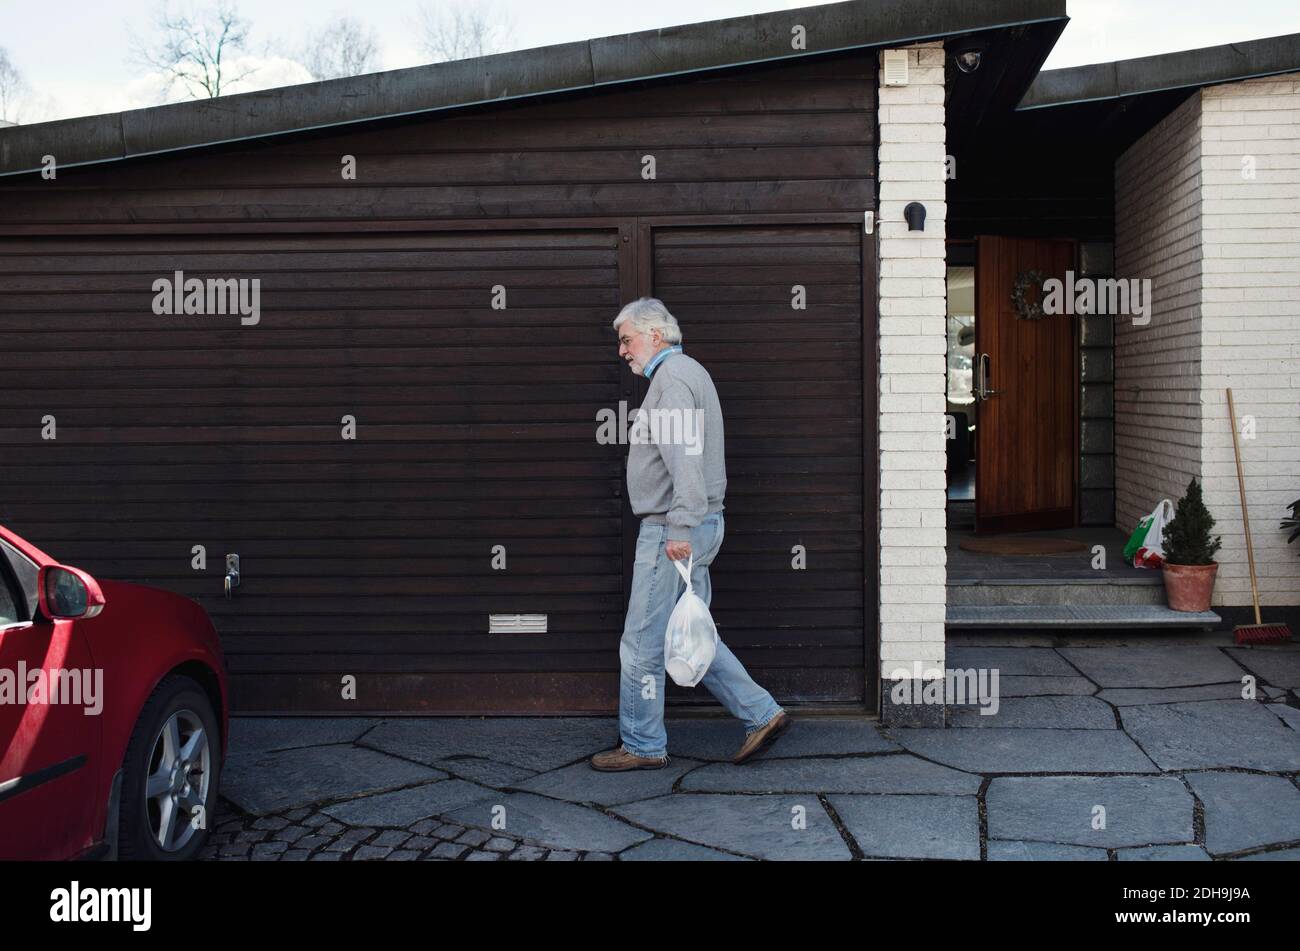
(761, 826)
(710, 739)
(551, 823)
(1287, 714)
(263, 734)
(1018, 686)
(1138, 696)
(1139, 637)
(915, 827)
(1139, 810)
(485, 771)
(1246, 810)
(1010, 661)
(1163, 853)
(535, 743)
(719, 738)
(1153, 666)
(1279, 665)
(1210, 734)
(1028, 750)
(581, 783)
(1056, 713)
(894, 773)
(262, 783)
(1020, 637)
(1012, 851)
(401, 808)
(1278, 855)
(818, 736)
(671, 850)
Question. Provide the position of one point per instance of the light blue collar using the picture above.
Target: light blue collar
(659, 358)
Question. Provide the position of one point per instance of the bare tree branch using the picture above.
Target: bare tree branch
(344, 47)
(12, 87)
(464, 29)
(192, 46)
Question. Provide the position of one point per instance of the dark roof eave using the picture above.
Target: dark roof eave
(854, 24)
(1185, 69)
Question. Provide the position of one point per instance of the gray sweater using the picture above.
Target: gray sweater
(676, 473)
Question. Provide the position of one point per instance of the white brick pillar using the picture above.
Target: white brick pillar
(913, 348)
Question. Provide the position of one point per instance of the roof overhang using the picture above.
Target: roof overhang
(568, 67)
(1184, 70)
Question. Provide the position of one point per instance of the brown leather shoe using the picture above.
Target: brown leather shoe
(619, 759)
(762, 738)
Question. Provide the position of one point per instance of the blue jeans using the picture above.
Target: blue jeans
(656, 586)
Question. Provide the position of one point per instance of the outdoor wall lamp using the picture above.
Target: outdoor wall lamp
(915, 215)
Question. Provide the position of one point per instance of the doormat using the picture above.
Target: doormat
(1020, 545)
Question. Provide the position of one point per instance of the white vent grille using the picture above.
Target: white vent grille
(895, 67)
(516, 623)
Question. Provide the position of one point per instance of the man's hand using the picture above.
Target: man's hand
(678, 550)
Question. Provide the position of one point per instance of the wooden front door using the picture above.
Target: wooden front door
(1026, 393)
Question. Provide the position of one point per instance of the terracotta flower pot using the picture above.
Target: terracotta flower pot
(1188, 587)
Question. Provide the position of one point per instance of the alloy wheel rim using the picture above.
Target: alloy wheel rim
(179, 777)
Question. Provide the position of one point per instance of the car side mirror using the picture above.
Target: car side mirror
(68, 593)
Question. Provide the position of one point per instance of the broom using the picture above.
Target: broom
(1257, 633)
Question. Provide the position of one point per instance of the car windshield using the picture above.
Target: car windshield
(21, 571)
(8, 609)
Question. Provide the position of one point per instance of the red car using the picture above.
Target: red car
(113, 714)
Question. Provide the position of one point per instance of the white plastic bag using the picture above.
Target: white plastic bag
(692, 638)
(1151, 554)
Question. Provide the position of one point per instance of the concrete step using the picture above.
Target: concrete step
(1076, 616)
(1134, 590)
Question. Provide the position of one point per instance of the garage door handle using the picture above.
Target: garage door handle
(232, 574)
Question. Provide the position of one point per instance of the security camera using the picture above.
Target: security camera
(968, 60)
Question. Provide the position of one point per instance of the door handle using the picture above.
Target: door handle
(982, 391)
(232, 574)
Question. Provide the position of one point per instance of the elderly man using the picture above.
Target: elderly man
(675, 482)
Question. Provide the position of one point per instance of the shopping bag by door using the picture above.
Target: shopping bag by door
(1146, 546)
(692, 638)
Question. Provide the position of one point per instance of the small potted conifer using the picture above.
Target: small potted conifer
(1189, 566)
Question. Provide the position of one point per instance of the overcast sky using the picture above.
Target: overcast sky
(73, 55)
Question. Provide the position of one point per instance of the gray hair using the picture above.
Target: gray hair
(647, 314)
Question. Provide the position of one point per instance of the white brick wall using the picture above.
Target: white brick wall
(913, 575)
(1157, 366)
(1250, 326)
(1223, 251)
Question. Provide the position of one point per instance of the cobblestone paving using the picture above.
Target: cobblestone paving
(309, 835)
(1157, 734)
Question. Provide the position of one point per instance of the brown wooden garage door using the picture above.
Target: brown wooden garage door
(790, 381)
(475, 428)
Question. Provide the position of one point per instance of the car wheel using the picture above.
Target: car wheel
(169, 783)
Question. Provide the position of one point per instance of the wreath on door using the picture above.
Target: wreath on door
(1027, 308)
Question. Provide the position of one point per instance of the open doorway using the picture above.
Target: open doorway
(960, 398)
(1017, 554)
